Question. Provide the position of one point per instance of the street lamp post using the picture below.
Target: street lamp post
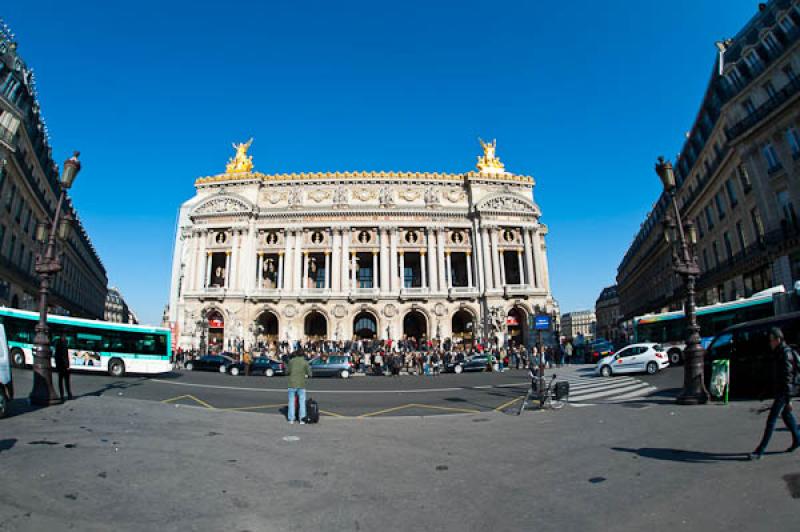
(683, 239)
(48, 264)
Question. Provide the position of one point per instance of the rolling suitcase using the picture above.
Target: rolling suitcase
(312, 411)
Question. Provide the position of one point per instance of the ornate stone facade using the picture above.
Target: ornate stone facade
(336, 255)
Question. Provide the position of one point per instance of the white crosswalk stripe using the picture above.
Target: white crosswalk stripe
(590, 390)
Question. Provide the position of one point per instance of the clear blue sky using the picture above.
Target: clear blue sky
(582, 95)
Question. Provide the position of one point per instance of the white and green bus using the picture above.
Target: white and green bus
(101, 346)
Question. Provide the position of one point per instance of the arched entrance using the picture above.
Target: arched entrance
(216, 331)
(517, 323)
(316, 326)
(365, 326)
(415, 325)
(266, 329)
(463, 326)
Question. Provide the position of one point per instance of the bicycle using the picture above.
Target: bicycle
(552, 399)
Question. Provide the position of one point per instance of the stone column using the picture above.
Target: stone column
(384, 262)
(191, 263)
(450, 271)
(346, 260)
(469, 270)
(227, 268)
(234, 274)
(304, 279)
(279, 284)
(353, 270)
(375, 269)
(327, 269)
(260, 273)
(402, 271)
(202, 257)
(502, 268)
(537, 259)
(486, 259)
(297, 281)
(394, 286)
(440, 260)
(432, 277)
(248, 260)
(425, 283)
(497, 264)
(207, 281)
(336, 260)
(521, 268)
(531, 276)
(288, 260)
(545, 267)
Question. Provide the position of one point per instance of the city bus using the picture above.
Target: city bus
(98, 346)
(670, 329)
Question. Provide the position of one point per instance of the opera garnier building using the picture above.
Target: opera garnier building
(295, 257)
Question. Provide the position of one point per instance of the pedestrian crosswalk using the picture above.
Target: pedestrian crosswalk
(588, 389)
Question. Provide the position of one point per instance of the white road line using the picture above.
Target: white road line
(609, 393)
(608, 386)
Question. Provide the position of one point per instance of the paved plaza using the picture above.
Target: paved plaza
(101, 463)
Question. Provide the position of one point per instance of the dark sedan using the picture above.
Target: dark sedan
(476, 362)
(335, 366)
(259, 366)
(752, 363)
(210, 363)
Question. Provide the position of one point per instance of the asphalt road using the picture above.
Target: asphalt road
(369, 396)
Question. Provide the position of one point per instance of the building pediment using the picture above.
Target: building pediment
(506, 203)
(223, 204)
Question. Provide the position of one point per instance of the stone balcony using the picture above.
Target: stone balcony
(462, 292)
(362, 294)
(314, 294)
(517, 290)
(414, 293)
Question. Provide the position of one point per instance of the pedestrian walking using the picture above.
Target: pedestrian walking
(298, 371)
(568, 353)
(786, 378)
(62, 367)
(248, 360)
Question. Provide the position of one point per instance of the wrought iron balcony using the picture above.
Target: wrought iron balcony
(762, 111)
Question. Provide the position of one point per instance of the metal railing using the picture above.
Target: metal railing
(763, 110)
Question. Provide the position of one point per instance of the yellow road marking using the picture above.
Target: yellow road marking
(446, 408)
(385, 411)
(507, 404)
(329, 413)
(200, 401)
(174, 399)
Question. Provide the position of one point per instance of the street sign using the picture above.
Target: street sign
(542, 323)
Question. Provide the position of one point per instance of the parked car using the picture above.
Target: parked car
(210, 363)
(334, 366)
(635, 358)
(477, 362)
(746, 345)
(600, 349)
(259, 366)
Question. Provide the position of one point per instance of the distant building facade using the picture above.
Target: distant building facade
(29, 191)
(738, 177)
(581, 322)
(294, 257)
(117, 309)
(607, 312)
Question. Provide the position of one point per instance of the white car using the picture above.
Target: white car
(635, 358)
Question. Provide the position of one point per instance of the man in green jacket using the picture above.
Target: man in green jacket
(298, 370)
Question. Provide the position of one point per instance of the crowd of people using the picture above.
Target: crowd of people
(411, 355)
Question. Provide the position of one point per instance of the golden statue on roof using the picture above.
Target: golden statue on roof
(241, 162)
(489, 163)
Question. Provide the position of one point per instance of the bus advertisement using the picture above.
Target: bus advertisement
(670, 329)
(100, 346)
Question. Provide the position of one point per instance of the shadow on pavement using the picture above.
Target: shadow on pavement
(7, 444)
(117, 385)
(680, 455)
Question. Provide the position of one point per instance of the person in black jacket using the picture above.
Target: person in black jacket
(62, 367)
(784, 389)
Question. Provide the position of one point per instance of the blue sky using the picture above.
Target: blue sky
(582, 95)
